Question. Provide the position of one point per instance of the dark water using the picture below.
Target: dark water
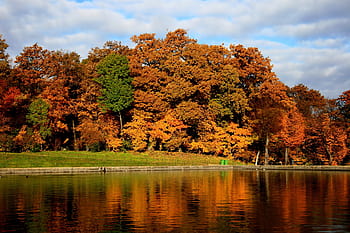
(200, 201)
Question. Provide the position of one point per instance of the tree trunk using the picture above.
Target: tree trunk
(286, 156)
(121, 123)
(74, 137)
(329, 155)
(257, 158)
(151, 146)
(267, 150)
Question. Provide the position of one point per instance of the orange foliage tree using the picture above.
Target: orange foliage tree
(269, 105)
(292, 133)
(98, 134)
(196, 82)
(30, 71)
(343, 104)
(61, 93)
(325, 138)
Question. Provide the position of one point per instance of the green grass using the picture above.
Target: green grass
(105, 159)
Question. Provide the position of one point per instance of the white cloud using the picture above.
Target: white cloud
(328, 28)
(325, 43)
(307, 40)
(322, 69)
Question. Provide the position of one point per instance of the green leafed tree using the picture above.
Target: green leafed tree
(115, 81)
(37, 117)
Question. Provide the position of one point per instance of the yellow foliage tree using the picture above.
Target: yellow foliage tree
(138, 131)
(165, 129)
(231, 141)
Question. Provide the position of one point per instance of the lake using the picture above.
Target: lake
(178, 201)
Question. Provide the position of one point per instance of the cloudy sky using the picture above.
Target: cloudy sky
(308, 41)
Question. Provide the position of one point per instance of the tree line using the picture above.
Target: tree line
(168, 94)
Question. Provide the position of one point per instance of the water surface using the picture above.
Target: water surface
(181, 201)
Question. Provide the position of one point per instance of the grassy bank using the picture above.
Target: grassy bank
(103, 159)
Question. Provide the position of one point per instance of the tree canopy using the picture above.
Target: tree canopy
(169, 94)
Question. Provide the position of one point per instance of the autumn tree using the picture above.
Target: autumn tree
(211, 139)
(61, 92)
(268, 106)
(97, 54)
(230, 141)
(262, 97)
(138, 131)
(326, 141)
(165, 132)
(237, 141)
(91, 136)
(4, 60)
(99, 134)
(30, 70)
(4, 72)
(10, 98)
(309, 102)
(253, 68)
(53, 76)
(149, 80)
(333, 139)
(343, 103)
(325, 138)
(30, 76)
(110, 132)
(177, 74)
(292, 131)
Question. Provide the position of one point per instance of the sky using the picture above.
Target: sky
(308, 41)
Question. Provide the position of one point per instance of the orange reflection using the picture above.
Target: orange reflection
(176, 201)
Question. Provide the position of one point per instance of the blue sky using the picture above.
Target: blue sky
(307, 40)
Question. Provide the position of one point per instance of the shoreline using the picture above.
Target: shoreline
(71, 170)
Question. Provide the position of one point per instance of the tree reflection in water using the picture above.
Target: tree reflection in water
(198, 201)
